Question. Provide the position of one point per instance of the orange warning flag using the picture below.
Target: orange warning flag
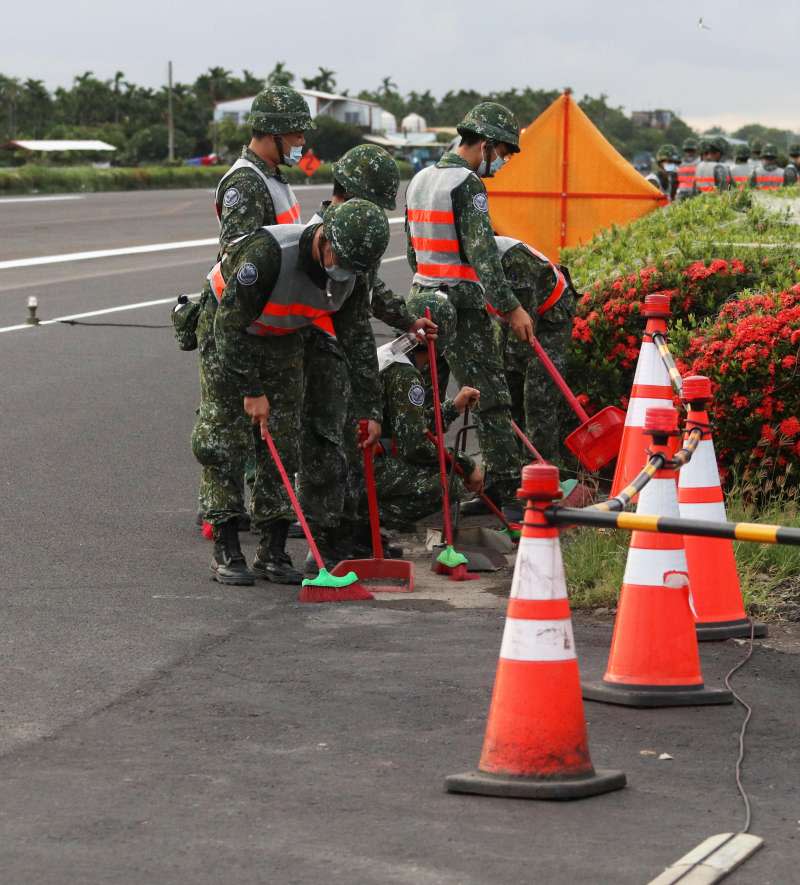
(309, 162)
(566, 183)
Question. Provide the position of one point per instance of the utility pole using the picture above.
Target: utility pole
(170, 118)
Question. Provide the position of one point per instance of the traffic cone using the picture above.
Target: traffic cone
(536, 745)
(651, 389)
(654, 660)
(716, 592)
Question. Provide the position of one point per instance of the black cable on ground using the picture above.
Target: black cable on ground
(117, 325)
(749, 713)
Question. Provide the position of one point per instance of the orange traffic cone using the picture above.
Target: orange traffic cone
(654, 660)
(716, 593)
(651, 389)
(536, 745)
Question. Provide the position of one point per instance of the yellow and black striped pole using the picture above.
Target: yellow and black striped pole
(669, 363)
(670, 525)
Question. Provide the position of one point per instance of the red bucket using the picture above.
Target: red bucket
(596, 442)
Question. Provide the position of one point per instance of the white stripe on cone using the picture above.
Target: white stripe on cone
(648, 567)
(701, 472)
(659, 498)
(650, 368)
(638, 405)
(528, 640)
(539, 570)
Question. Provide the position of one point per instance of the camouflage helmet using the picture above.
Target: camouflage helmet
(666, 152)
(756, 145)
(794, 149)
(358, 233)
(278, 110)
(492, 121)
(742, 153)
(718, 143)
(690, 144)
(367, 171)
(442, 313)
(769, 151)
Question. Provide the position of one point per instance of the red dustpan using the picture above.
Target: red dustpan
(378, 575)
(596, 442)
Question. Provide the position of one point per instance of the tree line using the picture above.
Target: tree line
(134, 118)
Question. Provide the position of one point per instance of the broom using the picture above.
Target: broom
(325, 587)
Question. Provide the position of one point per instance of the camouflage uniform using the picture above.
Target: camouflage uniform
(407, 478)
(474, 354)
(537, 404)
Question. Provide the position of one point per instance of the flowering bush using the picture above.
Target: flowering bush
(751, 354)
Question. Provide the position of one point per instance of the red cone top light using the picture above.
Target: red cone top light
(656, 306)
(661, 422)
(696, 387)
(540, 483)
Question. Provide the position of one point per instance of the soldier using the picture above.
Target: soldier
(665, 177)
(794, 155)
(770, 176)
(451, 246)
(268, 287)
(711, 173)
(330, 472)
(251, 194)
(407, 477)
(545, 291)
(741, 169)
(686, 170)
(755, 152)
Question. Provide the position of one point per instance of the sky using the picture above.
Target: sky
(739, 68)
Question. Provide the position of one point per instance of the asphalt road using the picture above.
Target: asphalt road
(158, 728)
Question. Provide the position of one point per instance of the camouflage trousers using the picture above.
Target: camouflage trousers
(536, 403)
(475, 359)
(223, 437)
(408, 492)
(327, 432)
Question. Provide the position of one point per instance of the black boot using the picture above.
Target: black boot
(362, 544)
(331, 549)
(272, 562)
(228, 565)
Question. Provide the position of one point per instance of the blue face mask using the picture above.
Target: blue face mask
(294, 157)
(496, 165)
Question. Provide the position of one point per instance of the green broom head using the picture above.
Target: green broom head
(326, 579)
(568, 486)
(451, 558)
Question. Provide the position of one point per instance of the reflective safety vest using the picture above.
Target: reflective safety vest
(686, 173)
(295, 300)
(741, 173)
(432, 227)
(506, 243)
(704, 177)
(769, 179)
(287, 209)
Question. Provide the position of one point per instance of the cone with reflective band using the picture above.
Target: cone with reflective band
(713, 577)
(654, 659)
(651, 389)
(536, 744)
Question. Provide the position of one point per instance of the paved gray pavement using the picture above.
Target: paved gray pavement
(158, 728)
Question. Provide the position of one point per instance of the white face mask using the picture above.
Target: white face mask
(294, 157)
(670, 167)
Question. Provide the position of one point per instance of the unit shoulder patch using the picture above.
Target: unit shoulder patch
(247, 274)
(416, 395)
(481, 202)
(231, 198)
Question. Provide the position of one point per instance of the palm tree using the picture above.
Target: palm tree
(279, 76)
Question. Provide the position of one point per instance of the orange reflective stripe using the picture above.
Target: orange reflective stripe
(289, 216)
(429, 245)
(443, 271)
(432, 216)
(293, 310)
(326, 324)
(217, 281)
(555, 295)
(265, 329)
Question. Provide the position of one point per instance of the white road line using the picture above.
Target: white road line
(53, 199)
(113, 253)
(124, 307)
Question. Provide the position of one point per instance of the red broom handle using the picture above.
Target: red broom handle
(526, 442)
(372, 496)
(560, 383)
(267, 437)
(437, 418)
(482, 495)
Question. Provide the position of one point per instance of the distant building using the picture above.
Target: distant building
(659, 119)
(413, 123)
(367, 115)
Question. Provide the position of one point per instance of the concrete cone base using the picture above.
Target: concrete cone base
(654, 695)
(508, 787)
(719, 630)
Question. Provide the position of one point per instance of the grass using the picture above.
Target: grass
(594, 561)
